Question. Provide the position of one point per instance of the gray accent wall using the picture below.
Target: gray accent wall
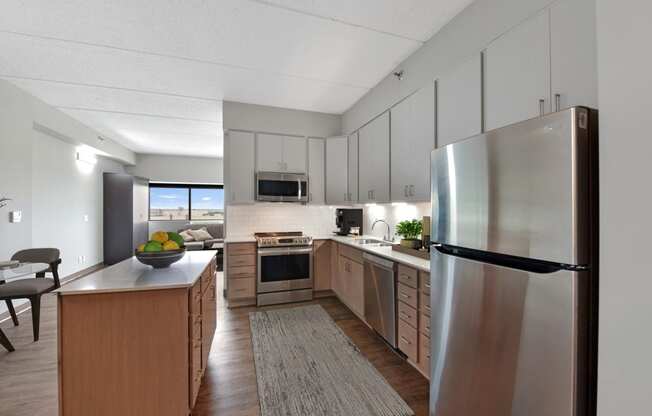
(265, 119)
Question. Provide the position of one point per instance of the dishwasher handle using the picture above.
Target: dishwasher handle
(378, 261)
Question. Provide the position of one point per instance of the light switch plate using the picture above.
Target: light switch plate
(15, 216)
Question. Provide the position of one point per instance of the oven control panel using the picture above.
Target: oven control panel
(284, 241)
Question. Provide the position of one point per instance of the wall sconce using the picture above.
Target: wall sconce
(87, 158)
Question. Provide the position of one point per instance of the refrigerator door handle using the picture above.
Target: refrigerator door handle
(541, 267)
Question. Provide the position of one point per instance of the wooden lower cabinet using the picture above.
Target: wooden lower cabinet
(349, 282)
(322, 265)
(135, 353)
(413, 306)
(240, 268)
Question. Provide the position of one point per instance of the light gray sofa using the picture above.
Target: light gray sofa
(214, 229)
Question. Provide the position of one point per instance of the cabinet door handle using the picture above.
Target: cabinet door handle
(405, 190)
(411, 190)
(542, 109)
(557, 102)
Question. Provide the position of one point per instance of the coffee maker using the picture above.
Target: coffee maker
(345, 218)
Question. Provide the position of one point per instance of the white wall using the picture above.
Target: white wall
(624, 68)
(41, 175)
(467, 34)
(64, 191)
(240, 116)
(184, 169)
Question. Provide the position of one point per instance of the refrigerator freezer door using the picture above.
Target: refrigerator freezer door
(521, 190)
(504, 342)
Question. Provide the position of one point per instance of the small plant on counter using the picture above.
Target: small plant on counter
(410, 232)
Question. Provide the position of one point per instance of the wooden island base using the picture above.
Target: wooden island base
(135, 352)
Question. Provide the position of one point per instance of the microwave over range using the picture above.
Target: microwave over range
(281, 187)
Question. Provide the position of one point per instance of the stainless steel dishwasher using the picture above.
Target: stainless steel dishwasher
(380, 296)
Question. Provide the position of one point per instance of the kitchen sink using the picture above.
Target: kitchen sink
(372, 241)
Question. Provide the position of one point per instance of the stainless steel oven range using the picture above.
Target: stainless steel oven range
(284, 268)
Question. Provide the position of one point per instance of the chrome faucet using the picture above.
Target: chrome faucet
(387, 236)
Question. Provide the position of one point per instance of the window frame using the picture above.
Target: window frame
(188, 187)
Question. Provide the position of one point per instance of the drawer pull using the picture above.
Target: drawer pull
(405, 315)
(406, 340)
(406, 296)
(427, 307)
(427, 285)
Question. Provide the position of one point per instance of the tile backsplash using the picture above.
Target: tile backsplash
(244, 220)
(393, 214)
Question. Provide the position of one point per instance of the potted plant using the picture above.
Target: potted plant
(410, 232)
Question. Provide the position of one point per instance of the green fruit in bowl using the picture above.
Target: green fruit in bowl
(153, 246)
(176, 238)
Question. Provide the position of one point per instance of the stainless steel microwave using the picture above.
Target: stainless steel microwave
(281, 187)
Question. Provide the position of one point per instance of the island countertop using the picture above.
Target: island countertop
(131, 275)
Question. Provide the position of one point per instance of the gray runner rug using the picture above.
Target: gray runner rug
(305, 365)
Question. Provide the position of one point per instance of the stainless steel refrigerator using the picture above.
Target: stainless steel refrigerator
(514, 270)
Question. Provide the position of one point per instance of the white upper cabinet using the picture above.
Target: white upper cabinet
(239, 167)
(270, 153)
(278, 153)
(412, 140)
(459, 102)
(316, 153)
(517, 74)
(373, 157)
(336, 170)
(294, 154)
(352, 195)
(574, 57)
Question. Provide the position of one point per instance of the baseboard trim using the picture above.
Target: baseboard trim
(65, 280)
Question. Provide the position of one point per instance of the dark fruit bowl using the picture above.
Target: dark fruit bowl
(160, 259)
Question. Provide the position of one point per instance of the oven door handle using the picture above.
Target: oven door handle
(273, 251)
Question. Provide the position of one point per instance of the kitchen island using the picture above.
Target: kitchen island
(133, 340)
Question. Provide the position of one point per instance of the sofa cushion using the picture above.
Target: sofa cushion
(186, 236)
(200, 234)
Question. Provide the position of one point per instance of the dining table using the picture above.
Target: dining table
(10, 273)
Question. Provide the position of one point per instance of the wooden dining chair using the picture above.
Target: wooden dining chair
(32, 289)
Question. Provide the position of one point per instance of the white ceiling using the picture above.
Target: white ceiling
(152, 74)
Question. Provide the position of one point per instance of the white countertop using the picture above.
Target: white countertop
(385, 252)
(131, 275)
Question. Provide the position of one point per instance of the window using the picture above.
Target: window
(170, 202)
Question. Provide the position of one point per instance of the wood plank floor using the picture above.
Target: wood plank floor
(28, 385)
